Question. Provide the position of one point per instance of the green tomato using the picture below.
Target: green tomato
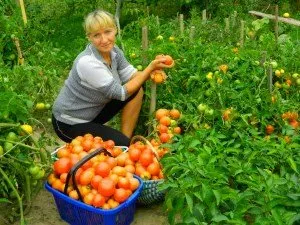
(139, 67)
(1, 150)
(258, 100)
(12, 57)
(8, 146)
(298, 81)
(173, 123)
(285, 86)
(295, 75)
(11, 136)
(202, 107)
(47, 106)
(208, 92)
(34, 170)
(39, 175)
(274, 64)
(209, 112)
(49, 120)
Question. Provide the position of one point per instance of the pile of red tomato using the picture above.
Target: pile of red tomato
(103, 181)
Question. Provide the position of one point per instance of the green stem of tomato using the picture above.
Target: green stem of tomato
(2, 125)
(42, 151)
(220, 100)
(27, 192)
(22, 220)
(19, 144)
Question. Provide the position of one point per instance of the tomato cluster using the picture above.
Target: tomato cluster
(141, 160)
(166, 128)
(103, 181)
(292, 118)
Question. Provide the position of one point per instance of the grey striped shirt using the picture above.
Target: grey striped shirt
(91, 84)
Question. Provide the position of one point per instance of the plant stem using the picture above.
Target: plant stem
(17, 195)
(2, 125)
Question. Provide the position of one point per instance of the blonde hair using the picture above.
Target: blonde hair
(97, 20)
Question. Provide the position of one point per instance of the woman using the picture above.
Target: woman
(100, 84)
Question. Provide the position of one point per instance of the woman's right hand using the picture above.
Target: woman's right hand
(161, 62)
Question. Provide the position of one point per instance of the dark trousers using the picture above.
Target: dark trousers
(96, 127)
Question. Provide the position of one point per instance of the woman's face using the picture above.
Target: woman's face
(103, 39)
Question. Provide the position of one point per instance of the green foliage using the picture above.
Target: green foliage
(240, 182)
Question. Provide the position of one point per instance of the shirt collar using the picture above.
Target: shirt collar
(95, 51)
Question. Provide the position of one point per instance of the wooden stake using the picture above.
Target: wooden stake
(23, 12)
(227, 25)
(153, 85)
(263, 58)
(158, 24)
(192, 34)
(242, 32)
(20, 55)
(204, 18)
(181, 25)
(276, 23)
(234, 18)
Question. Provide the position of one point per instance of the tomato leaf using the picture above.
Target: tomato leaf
(189, 201)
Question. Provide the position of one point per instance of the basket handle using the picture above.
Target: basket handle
(141, 138)
(74, 169)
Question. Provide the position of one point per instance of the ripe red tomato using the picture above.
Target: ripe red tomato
(120, 195)
(62, 165)
(86, 177)
(98, 200)
(169, 60)
(134, 154)
(103, 169)
(270, 129)
(106, 187)
(95, 181)
(146, 159)
(164, 137)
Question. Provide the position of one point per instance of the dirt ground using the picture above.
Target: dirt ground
(44, 212)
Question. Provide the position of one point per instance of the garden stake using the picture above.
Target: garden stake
(192, 34)
(276, 24)
(204, 19)
(20, 55)
(226, 25)
(23, 12)
(242, 32)
(181, 25)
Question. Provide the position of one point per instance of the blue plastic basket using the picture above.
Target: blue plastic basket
(75, 212)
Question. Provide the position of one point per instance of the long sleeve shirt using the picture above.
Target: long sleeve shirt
(91, 84)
